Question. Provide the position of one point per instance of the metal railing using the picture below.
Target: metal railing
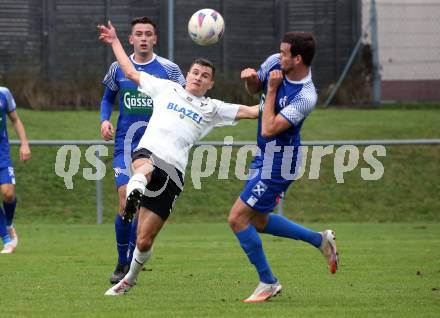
(99, 191)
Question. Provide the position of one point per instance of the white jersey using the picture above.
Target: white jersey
(179, 119)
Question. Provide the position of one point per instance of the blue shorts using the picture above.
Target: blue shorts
(7, 175)
(119, 167)
(263, 194)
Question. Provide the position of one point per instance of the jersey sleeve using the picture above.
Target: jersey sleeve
(271, 63)
(110, 78)
(174, 73)
(298, 109)
(107, 103)
(177, 76)
(10, 102)
(225, 114)
(152, 86)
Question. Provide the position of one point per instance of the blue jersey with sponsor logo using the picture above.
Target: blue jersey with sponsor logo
(135, 106)
(294, 101)
(7, 105)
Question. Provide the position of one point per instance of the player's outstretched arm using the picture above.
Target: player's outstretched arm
(25, 151)
(107, 34)
(272, 124)
(251, 80)
(247, 112)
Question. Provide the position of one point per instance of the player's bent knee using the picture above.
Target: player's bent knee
(236, 223)
(144, 243)
(259, 221)
(9, 196)
(142, 165)
(231, 220)
(239, 217)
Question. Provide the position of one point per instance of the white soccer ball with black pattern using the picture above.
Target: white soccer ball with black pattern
(206, 27)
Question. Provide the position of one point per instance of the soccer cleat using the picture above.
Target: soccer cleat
(119, 273)
(8, 248)
(13, 235)
(119, 289)
(328, 249)
(131, 205)
(263, 292)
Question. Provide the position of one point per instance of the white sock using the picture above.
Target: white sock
(138, 182)
(138, 261)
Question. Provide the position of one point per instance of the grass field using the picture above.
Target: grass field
(323, 124)
(388, 233)
(387, 270)
(407, 192)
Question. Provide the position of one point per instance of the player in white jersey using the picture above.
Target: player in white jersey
(288, 98)
(181, 117)
(135, 110)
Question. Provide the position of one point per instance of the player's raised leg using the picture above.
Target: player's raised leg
(155, 208)
(143, 168)
(329, 251)
(281, 226)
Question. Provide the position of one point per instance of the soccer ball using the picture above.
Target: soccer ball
(206, 26)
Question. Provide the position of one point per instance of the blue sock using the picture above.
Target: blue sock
(3, 231)
(122, 229)
(133, 236)
(9, 211)
(280, 226)
(251, 244)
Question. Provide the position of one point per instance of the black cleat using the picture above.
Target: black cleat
(120, 271)
(131, 205)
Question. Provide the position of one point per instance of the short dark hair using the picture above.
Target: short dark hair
(204, 62)
(142, 20)
(302, 43)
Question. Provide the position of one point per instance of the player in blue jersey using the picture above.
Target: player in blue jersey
(135, 110)
(288, 98)
(7, 178)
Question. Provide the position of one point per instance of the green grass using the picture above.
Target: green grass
(323, 124)
(198, 270)
(63, 262)
(407, 192)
